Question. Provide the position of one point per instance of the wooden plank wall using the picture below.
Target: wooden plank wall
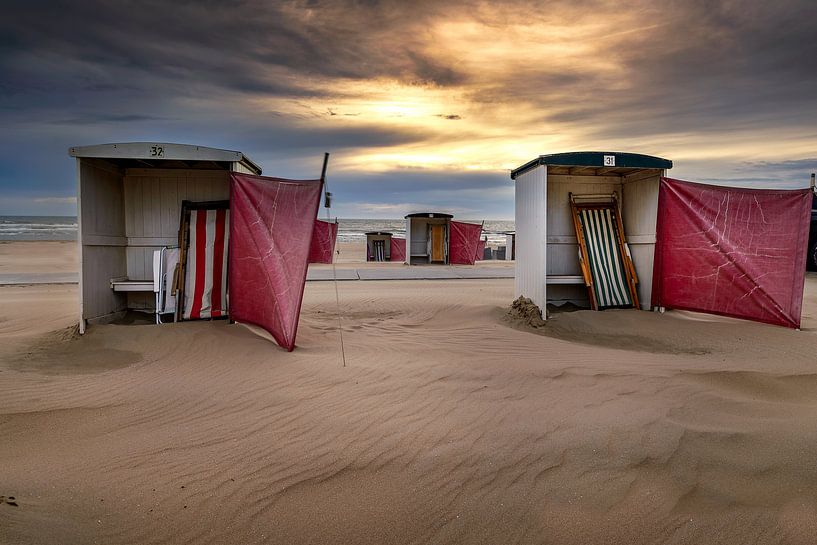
(531, 236)
(640, 216)
(563, 248)
(102, 234)
(153, 201)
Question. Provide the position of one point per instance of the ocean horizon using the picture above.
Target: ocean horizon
(64, 228)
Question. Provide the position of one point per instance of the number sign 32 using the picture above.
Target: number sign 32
(157, 151)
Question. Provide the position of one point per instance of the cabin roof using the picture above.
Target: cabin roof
(429, 215)
(163, 155)
(595, 163)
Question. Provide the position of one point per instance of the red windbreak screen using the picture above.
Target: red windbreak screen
(481, 250)
(271, 223)
(322, 248)
(464, 242)
(398, 249)
(729, 251)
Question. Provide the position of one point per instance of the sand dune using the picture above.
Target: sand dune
(448, 425)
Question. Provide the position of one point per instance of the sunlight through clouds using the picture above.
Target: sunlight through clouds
(394, 88)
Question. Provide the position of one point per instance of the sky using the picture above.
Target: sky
(422, 105)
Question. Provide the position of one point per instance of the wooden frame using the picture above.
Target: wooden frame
(597, 202)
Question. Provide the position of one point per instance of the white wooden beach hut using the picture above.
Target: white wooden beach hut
(510, 245)
(129, 198)
(427, 236)
(378, 246)
(548, 263)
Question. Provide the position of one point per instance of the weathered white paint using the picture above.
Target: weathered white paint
(418, 245)
(126, 213)
(164, 151)
(546, 242)
(562, 246)
(101, 217)
(81, 317)
(153, 200)
(244, 168)
(531, 236)
(408, 241)
(640, 214)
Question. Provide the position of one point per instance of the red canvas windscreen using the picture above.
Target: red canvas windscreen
(463, 242)
(322, 248)
(729, 251)
(398, 249)
(481, 250)
(271, 224)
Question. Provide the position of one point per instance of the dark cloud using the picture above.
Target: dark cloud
(217, 73)
(799, 165)
(95, 118)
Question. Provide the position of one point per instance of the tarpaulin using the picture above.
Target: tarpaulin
(481, 250)
(271, 224)
(463, 242)
(322, 249)
(733, 252)
(397, 252)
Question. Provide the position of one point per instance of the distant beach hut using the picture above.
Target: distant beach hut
(510, 246)
(157, 221)
(427, 235)
(435, 238)
(378, 246)
(586, 228)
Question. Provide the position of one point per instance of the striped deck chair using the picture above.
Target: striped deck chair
(605, 259)
(379, 247)
(205, 275)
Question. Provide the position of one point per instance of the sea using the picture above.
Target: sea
(349, 230)
(38, 227)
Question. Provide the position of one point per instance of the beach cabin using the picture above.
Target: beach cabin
(582, 216)
(129, 204)
(427, 236)
(510, 245)
(378, 246)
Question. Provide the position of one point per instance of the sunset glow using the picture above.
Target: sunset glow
(407, 96)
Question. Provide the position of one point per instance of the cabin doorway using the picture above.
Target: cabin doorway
(438, 243)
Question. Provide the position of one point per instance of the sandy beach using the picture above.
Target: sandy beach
(449, 423)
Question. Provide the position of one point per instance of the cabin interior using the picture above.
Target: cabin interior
(550, 273)
(130, 206)
(378, 246)
(427, 236)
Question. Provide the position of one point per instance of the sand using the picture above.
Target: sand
(38, 257)
(449, 424)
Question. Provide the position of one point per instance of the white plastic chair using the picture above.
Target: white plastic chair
(164, 262)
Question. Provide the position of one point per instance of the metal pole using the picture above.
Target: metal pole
(812, 182)
(325, 163)
(327, 204)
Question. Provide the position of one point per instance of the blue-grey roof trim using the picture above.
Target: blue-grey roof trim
(429, 215)
(595, 159)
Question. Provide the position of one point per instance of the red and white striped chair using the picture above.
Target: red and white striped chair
(205, 292)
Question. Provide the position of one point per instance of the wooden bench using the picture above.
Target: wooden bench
(566, 279)
(125, 284)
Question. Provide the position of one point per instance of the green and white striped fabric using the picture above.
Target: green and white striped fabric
(606, 263)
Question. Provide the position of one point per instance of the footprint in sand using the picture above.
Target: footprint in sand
(8, 501)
